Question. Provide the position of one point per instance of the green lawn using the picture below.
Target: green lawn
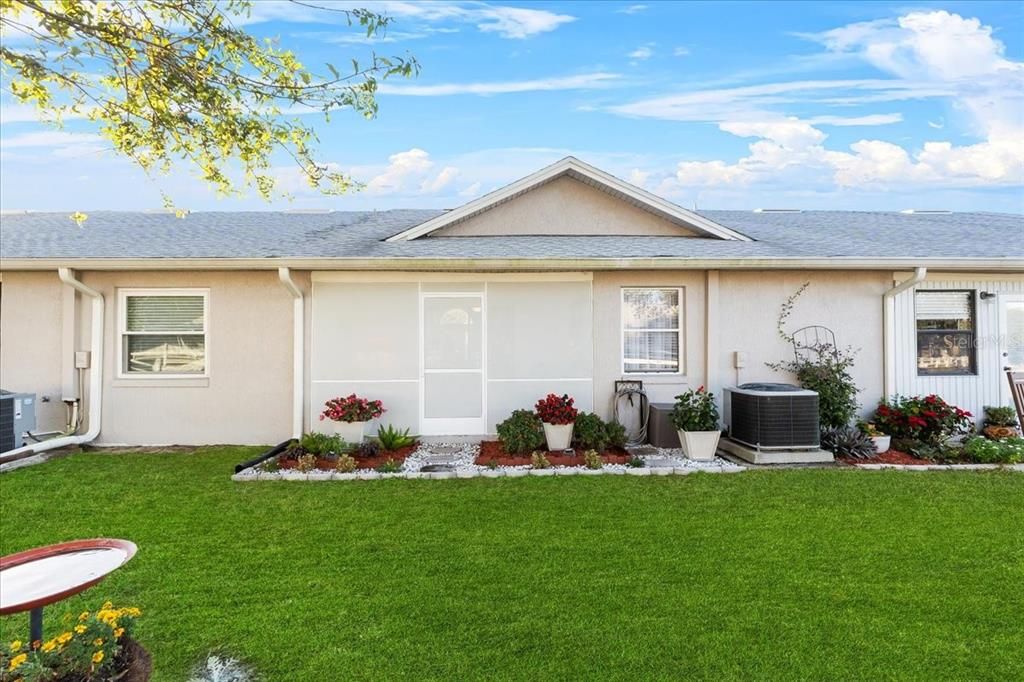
(823, 574)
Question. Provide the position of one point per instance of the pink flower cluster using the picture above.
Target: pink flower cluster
(352, 409)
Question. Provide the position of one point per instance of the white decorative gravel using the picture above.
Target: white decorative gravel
(461, 457)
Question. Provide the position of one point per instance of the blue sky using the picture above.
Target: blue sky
(720, 105)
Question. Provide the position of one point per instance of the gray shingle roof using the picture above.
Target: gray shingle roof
(255, 234)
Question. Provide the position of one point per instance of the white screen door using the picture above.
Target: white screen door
(452, 354)
(1011, 339)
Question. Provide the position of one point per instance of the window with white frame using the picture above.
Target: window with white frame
(652, 326)
(945, 332)
(163, 332)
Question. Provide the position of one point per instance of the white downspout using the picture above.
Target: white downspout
(298, 349)
(95, 405)
(889, 328)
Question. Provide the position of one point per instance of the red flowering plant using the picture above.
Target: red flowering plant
(555, 409)
(352, 409)
(929, 419)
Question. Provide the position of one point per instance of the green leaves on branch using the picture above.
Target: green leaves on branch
(176, 80)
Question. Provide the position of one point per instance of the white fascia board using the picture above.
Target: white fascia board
(568, 165)
(979, 265)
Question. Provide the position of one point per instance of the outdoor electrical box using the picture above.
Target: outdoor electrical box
(82, 359)
(17, 416)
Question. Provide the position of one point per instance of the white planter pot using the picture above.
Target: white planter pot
(559, 436)
(882, 443)
(699, 445)
(350, 432)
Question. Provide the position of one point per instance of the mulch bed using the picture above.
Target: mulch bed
(398, 456)
(887, 457)
(491, 451)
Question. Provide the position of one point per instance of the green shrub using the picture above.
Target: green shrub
(616, 434)
(538, 460)
(848, 442)
(592, 460)
(636, 462)
(1000, 416)
(391, 438)
(985, 451)
(695, 411)
(320, 444)
(389, 466)
(593, 433)
(521, 432)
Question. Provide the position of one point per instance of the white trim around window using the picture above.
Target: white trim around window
(123, 332)
(677, 330)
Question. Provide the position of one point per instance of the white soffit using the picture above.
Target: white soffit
(583, 172)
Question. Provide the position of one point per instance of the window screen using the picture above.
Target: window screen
(163, 333)
(651, 331)
(945, 332)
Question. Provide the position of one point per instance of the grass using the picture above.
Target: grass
(823, 574)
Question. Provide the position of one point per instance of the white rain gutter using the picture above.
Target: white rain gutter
(889, 328)
(298, 349)
(95, 404)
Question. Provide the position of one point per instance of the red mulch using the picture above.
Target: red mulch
(887, 457)
(491, 451)
(398, 455)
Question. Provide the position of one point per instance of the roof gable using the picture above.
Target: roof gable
(687, 222)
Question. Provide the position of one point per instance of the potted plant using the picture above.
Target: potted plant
(350, 415)
(695, 417)
(1000, 423)
(558, 416)
(882, 441)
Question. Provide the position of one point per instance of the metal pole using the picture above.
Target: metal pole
(35, 625)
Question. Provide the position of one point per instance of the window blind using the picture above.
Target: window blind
(943, 305)
(164, 314)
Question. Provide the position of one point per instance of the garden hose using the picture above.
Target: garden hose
(636, 396)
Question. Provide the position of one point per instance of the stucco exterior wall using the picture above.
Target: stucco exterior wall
(247, 397)
(608, 335)
(849, 303)
(565, 206)
(30, 342)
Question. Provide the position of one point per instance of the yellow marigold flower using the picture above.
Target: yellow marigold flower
(97, 657)
(49, 646)
(80, 629)
(17, 661)
(84, 615)
(16, 645)
(64, 638)
(118, 632)
(98, 641)
(108, 605)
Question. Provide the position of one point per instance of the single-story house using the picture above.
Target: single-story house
(237, 326)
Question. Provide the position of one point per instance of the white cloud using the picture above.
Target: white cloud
(792, 153)
(59, 143)
(471, 192)
(442, 181)
(507, 22)
(680, 51)
(586, 81)
(638, 177)
(845, 121)
(632, 9)
(643, 52)
(519, 22)
(925, 55)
